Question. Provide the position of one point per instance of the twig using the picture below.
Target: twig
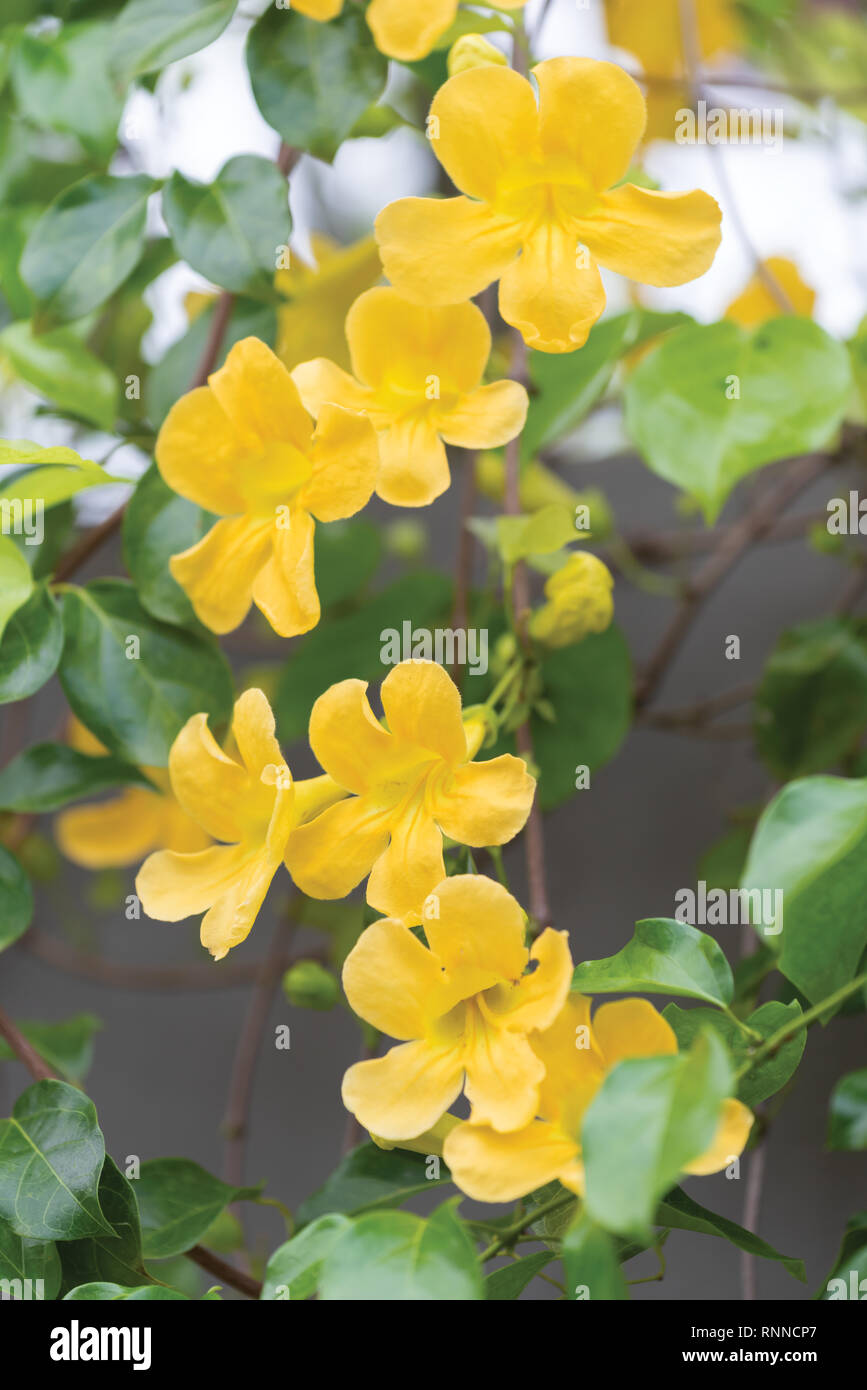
(25, 1051)
(222, 1270)
(752, 1205)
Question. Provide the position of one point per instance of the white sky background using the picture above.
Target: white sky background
(796, 199)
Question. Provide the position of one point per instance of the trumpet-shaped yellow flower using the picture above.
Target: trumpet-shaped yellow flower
(463, 1010)
(125, 828)
(579, 601)
(310, 322)
(404, 29)
(252, 803)
(412, 783)
(244, 447)
(495, 1167)
(542, 208)
(419, 372)
(757, 303)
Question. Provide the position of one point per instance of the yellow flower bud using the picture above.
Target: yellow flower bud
(473, 51)
(579, 601)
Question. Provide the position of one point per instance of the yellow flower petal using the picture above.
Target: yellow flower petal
(756, 304)
(219, 572)
(410, 868)
(260, 398)
(254, 730)
(485, 803)
(422, 708)
(346, 738)
(656, 238)
(631, 1028)
(430, 1142)
(400, 345)
(728, 1143)
(502, 1081)
(330, 855)
(394, 982)
(574, 1069)
(210, 786)
(492, 1167)
(550, 299)
(499, 107)
(172, 886)
(318, 9)
(115, 832)
(409, 31)
(199, 455)
(414, 467)
(321, 381)
(591, 117)
(285, 588)
(311, 325)
(536, 999)
(228, 922)
(345, 458)
(404, 1093)
(477, 931)
(441, 252)
(486, 417)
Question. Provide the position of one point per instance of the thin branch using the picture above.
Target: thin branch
(752, 82)
(25, 1051)
(752, 1206)
(222, 1270)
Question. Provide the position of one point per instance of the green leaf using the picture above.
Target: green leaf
(49, 474)
(680, 1213)
(102, 1292)
(663, 957)
(33, 1260)
(59, 366)
(112, 1258)
(371, 1177)
(351, 646)
(393, 1257)
(86, 244)
(61, 81)
(543, 533)
(294, 1268)
(178, 1201)
(16, 899)
(50, 775)
(568, 385)
(770, 1075)
(510, 1281)
(811, 706)
(650, 1118)
(171, 376)
(141, 701)
(793, 383)
(850, 1266)
(16, 581)
(589, 686)
(158, 524)
(811, 845)
(848, 1119)
(149, 34)
(231, 230)
(51, 1157)
(67, 1047)
(592, 1268)
(30, 647)
(313, 81)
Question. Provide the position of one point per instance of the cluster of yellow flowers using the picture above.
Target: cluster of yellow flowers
(446, 971)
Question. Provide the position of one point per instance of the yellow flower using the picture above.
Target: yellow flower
(244, 447)
(462, 1008)
(654, 34)
(494, 1167)
(412, 783)
(579, 602)
(252, 803)
(474, 51)
(756, 304)
(404, 29)
(419, 372)
(541, 210)
(125, 828)
(310, 324)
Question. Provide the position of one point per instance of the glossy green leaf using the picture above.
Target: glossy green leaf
(511, 1280)
(49, 775)
(548, 530)
(663, 957)
(568, 384)
(30, 647)
(153, 677)
(112, 1258)
(51, 1157)
(294, 1268)
(680, 1213)
(16, 581)
(811, 845)
(650, 1118)
(393, 1257)
(850, 1266)
(178, 1201)
(770, 1075)
(313, 81)
(713, 403)
(61, 81)
(371, 1177)
(102, 1292)
(848, 1112)
(592, 1267)
(157, 524)
(60, 367)
(231, 230)
(86, 244)
(49, 474)
(16, 899)
(148, 34)
(67, 1047)
(26, 1260)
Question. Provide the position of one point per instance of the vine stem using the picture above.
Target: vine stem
(512, 1232)
(221, 1269)
(25, 1051)
(776, 1040)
